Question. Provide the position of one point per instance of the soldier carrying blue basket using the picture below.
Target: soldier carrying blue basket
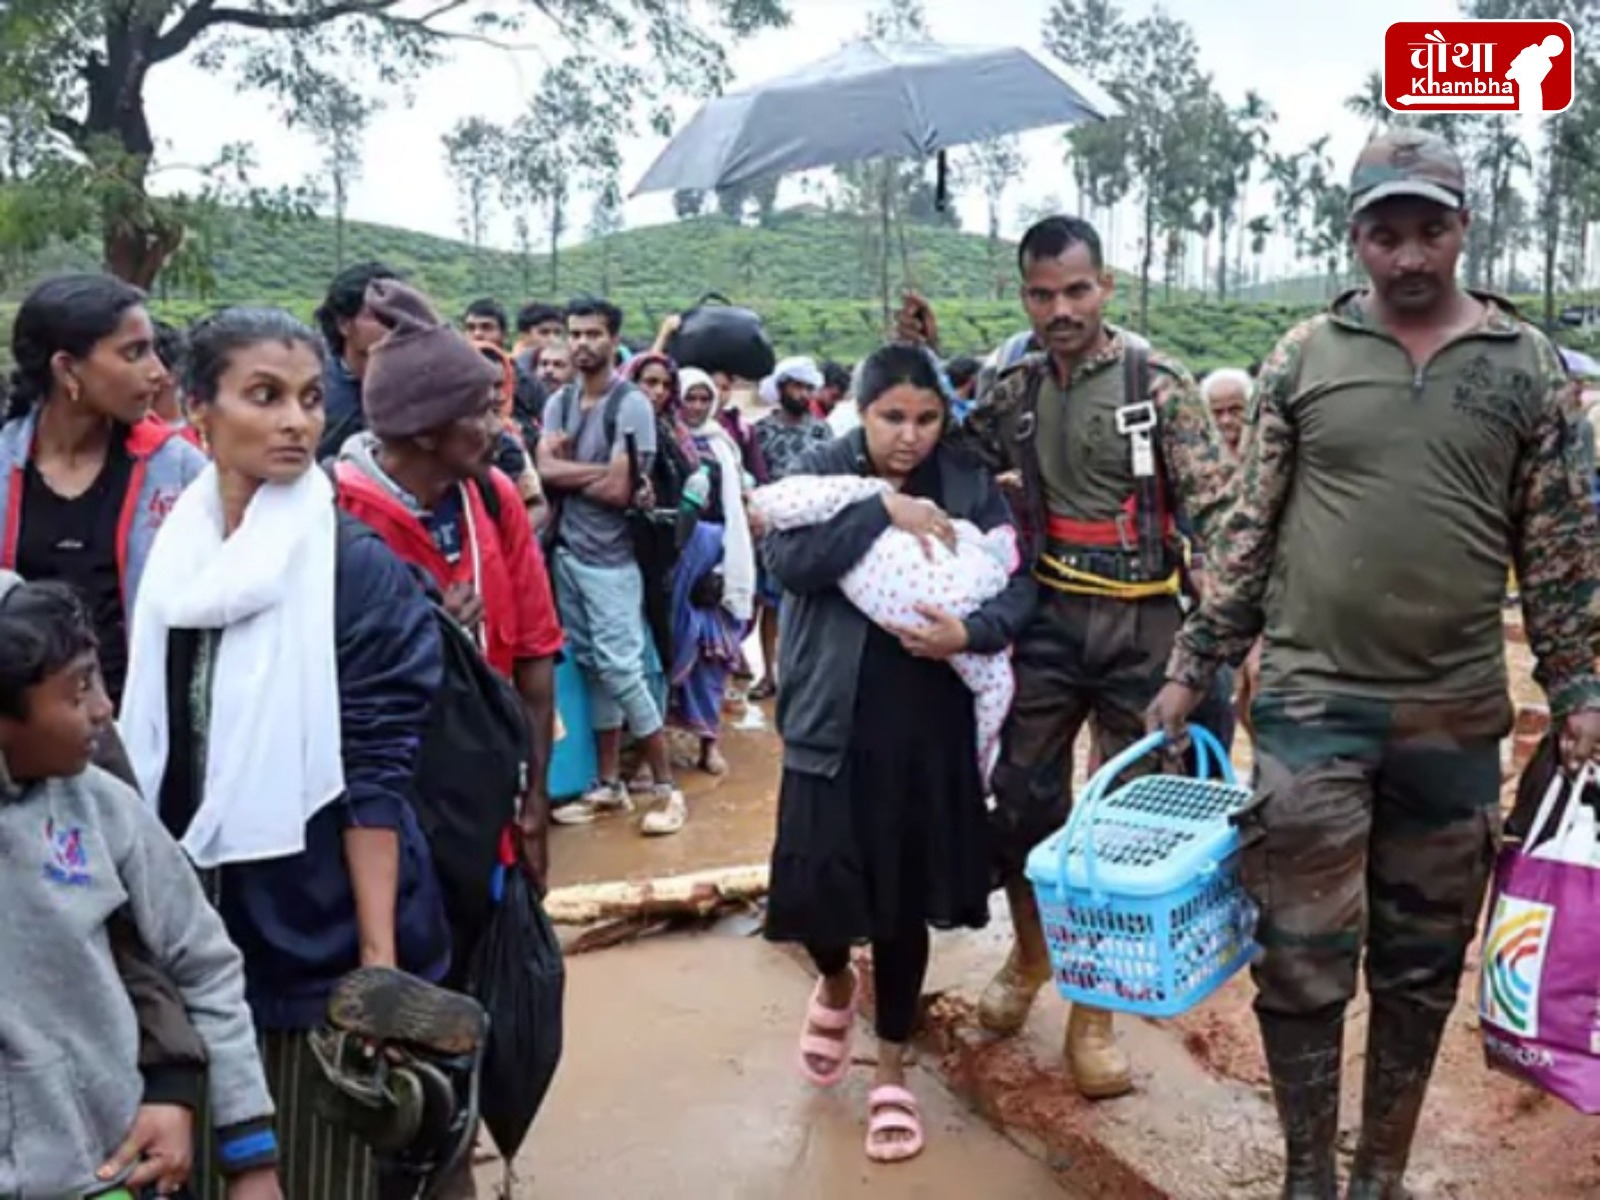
(1404, 450)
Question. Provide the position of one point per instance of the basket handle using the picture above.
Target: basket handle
(1207, 750)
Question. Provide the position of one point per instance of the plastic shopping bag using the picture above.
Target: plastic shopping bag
(519, 976)
(1539, 995)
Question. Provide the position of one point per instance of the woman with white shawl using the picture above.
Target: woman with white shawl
(713, 593)
(281, 670)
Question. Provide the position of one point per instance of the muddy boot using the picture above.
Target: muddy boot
(1304, 1056)
(1099, 1067)
(1402, 1042)
(1006, 1001)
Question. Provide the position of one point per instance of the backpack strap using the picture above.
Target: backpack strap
(489, 494)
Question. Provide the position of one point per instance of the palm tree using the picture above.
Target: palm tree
(1501, 155)
(1369, 106)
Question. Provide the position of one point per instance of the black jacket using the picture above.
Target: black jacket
(822, 636)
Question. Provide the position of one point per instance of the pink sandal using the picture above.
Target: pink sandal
(835, 1051)
(893, 1110)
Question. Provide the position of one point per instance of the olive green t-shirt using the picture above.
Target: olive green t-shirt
(1391, 552)
(1086, 464)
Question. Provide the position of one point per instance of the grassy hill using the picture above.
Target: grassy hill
(815, 257)
(809, 273)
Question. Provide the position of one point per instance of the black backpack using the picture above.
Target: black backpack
(472, 766)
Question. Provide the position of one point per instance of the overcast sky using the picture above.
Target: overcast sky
(1304, 59)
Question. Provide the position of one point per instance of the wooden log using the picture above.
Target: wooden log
(696, 895)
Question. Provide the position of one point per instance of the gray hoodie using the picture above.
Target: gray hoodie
(72, 852)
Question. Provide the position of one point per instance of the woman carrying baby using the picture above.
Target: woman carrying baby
(882, 829)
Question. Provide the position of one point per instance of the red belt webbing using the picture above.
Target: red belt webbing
(1119, 534)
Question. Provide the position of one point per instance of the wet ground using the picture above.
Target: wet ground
(679, 1082)
(730, 819)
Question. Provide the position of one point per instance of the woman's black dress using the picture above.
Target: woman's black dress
(899, 837)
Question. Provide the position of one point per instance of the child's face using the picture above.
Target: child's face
(65, 715)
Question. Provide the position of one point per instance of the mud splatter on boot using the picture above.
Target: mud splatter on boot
(1304, 1058)
(1007, 1000)
(1402, 1043)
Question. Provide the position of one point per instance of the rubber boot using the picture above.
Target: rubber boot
(1010, 994)
(1304, 1055)
(1402, 1043)
(1100, 1069)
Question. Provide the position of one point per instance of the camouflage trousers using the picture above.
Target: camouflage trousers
(1078, 657)
(1374, 828)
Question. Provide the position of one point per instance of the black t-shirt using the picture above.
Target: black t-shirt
(75, 541)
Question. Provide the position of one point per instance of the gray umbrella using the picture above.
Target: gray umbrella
(873, 100)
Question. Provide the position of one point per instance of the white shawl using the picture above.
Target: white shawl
(273, 747)
(738, 548)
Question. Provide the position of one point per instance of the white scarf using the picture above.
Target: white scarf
(738, 548)
(273, 747)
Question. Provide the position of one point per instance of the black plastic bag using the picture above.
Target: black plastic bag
(720, 337)
(520, 978)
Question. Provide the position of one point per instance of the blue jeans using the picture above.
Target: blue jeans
(602, 611)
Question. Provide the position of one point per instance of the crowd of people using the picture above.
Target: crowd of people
(243, 560)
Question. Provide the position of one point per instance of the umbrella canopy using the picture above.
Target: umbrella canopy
(1580, 364)
(873, 100)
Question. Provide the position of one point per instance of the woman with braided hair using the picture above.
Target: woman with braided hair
(87, 470)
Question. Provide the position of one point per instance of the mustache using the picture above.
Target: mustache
(1063, 325)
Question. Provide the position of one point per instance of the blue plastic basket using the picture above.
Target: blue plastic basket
(1140, 895)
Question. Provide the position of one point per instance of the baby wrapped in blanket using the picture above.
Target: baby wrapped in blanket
(895, 576)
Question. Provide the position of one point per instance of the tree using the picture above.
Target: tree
(337, 116)
(78, 72)
(1151, 67)
(731, 202)
(1567, 182)
(1502, 156)
(688, 203)
(477, 156)
(568, 140)
(879, 192)
(995, 164)
(764, 192)
(605, 220)
(1235, 139)
(1368, 104)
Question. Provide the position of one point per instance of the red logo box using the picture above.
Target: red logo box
(1478, 66)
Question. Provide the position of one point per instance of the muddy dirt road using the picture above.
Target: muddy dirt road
(679, 1084)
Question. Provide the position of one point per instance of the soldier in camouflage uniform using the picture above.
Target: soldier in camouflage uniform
(1106, 548)
(1406, 447)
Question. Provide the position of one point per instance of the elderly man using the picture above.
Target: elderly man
(1227, 391)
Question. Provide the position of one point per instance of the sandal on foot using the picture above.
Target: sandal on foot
(892, 1110)
(765, 690)
(835, 1051)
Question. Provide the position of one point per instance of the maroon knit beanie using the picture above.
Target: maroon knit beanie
(424, 375)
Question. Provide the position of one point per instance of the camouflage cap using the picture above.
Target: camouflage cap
(1407, 162)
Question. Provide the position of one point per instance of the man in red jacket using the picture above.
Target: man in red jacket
(417, 478)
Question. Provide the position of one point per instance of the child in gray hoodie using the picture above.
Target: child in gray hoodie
(77, 845)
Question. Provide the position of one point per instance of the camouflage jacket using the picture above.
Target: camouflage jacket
(1197, 471)
(1550, 521)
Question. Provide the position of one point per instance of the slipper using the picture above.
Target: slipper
(893, 1110)
(835, 1051)
(765, 690)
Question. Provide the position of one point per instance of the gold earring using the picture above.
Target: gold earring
(74, 393)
